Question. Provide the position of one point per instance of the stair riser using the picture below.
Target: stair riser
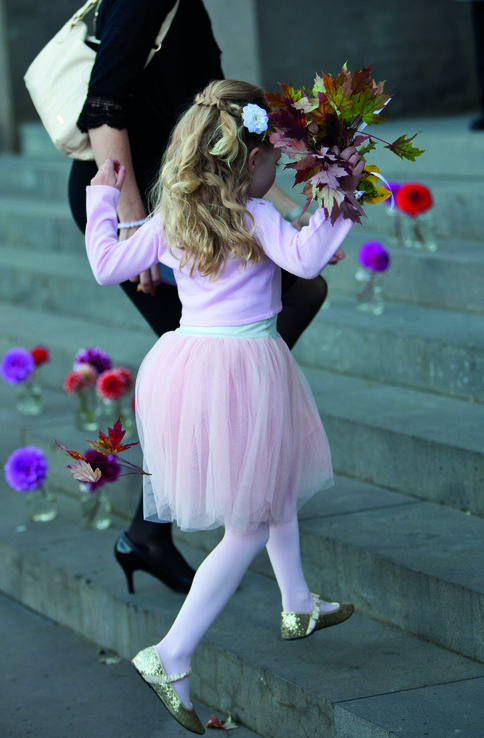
(457, 212)
(430, 280)
(75, 295)
(411, 361)
(35, 178)
(421, 468)
(38, 231)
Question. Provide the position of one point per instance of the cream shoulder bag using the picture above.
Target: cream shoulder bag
(58, 80)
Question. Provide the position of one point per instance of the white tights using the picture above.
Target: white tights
(217, 579)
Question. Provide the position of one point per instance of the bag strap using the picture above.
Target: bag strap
(158, 40)
(163, 31)
(83, 11)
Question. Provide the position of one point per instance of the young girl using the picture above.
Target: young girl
(229, 429)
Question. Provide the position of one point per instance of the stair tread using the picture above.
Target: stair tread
(399, 409)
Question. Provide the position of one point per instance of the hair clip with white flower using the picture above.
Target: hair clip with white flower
(255, 118)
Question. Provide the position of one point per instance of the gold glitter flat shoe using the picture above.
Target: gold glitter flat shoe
(302, 624)
(150, 668)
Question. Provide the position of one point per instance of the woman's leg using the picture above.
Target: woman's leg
(301, 302)
(215, 582)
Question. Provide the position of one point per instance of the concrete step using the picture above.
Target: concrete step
(42, 225)
(361, 680)
(423, 445)
(63, 284)
(99, 693)
(449, 279)
(39, 179)
(414, 564)
(423, 348)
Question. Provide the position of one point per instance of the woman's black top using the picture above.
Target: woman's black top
(148, 102)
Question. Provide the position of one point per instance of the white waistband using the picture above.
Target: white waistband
(260, 329)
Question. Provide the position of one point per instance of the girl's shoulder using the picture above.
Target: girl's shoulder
(262, 208)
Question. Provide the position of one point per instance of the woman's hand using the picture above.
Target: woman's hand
(111, 173)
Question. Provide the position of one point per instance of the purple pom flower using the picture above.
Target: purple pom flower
(26, 469)
(110, 469)
(96, 358)
(17, 366)
(373, 255)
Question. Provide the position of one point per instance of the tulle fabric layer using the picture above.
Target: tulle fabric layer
(230, 432)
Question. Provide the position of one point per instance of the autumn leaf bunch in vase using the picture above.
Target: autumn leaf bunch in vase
(98, 466)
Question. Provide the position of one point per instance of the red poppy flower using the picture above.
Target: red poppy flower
(414, 198)
(110, 385)
(40, 355)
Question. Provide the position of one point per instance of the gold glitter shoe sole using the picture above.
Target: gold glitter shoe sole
(149, 667)
(302, 624)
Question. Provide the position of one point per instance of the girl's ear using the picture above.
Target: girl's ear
(253, 159)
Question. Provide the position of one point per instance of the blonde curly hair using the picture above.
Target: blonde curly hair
(202, 191)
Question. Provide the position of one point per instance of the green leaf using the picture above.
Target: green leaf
(403, 148)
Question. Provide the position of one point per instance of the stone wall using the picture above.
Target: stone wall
(423, 49)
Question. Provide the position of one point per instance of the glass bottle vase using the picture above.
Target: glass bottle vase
(112, 410)
(96, 511)
(29, 398)
(86, 414)
(419, 232)
(41, 505)
(370, 298)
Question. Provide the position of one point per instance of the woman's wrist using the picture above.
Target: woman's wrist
(294, 214)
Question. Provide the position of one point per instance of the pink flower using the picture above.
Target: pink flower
(110, 385)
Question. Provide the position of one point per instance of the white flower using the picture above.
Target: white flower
(255, 118)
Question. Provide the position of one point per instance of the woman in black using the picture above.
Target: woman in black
(129, 113)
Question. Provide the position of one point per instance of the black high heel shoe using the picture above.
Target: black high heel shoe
(132, 558)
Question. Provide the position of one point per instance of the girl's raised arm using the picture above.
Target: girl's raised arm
(113, 261)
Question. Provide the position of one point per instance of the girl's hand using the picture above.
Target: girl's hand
(338, 256)
(111, 173)
(350, 155)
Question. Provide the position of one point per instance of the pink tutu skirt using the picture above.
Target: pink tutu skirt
(230, 432)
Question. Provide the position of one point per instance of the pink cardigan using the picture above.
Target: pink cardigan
(237, 297)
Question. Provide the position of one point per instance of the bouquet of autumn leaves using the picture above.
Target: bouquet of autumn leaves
(313, 126)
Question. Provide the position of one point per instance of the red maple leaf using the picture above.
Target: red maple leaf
(111, 444)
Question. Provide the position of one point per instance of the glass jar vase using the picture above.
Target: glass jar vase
(41, 505)
(370, 298)
(86, 414)
(29, 398)
(96, 511)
